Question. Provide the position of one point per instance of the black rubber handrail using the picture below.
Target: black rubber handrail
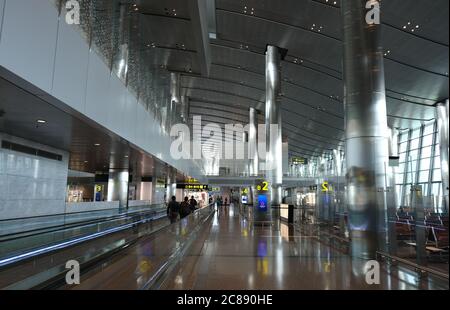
(46, 229)
(31, 254)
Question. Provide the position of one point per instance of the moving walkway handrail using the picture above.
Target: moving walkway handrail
(62, 245)
(414, 265)
(125, 213)
(176, 256)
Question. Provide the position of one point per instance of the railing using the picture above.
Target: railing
(423, 271)
(20, 245)
(43, 267)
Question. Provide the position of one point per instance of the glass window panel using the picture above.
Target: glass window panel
(425, 164)
(403, 137)
(425, 187)
(412, 166)
(428, 129)
(402, 147)
(436, 189)
(437, 162)
(437, 175)
(423, 176)
(427, 140)
(402, 157)
(408, 177)
(413, 155)
(414, 144)
(401, 168)
(415, 133)
(426, 152)
(437, 150)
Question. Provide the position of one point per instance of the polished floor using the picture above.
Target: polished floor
(237, 255)
(231, 253)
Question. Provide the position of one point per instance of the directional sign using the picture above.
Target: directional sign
(263, 187)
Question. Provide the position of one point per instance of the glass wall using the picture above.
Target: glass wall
(420, 165)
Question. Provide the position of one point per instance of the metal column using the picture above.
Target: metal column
(171, 186)
(391, 196)
(184, 109)
(252, 143)
(118, 187)
(442, 118)
(274, 155)
(366, 129)
(175, 99)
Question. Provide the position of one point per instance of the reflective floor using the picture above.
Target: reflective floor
(237, 255)
(229, 252)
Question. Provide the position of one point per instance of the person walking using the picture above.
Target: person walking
(173, 209)
(185, 208)
(193, 204)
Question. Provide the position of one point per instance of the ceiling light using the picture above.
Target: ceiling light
(97, 144)
(41, 121)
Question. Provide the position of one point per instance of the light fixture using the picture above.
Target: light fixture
(97, 144)
(41, 121)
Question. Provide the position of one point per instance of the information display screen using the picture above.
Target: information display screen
(262, 203)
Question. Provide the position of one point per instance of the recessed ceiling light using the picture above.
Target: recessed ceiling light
(97, 144)
(41, 121)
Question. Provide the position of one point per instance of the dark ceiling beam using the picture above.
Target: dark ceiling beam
(199, 15)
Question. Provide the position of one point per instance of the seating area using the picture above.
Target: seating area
(436, 230)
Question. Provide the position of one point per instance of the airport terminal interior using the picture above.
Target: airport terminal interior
(224, 144)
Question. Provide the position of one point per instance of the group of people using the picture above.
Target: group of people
(220, 201)
(175, 209)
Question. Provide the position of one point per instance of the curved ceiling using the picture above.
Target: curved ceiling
(415, 38)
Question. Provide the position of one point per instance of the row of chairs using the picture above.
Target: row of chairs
(436, 228)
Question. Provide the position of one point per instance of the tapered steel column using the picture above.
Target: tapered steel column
(274, 155)
(391, 195)
(252, 143)
(184, 109)
(118, 186)
(171, 187)
(365, 129)
(442, 118)
(175, 99)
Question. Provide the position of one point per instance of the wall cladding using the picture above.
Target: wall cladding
(31, 185)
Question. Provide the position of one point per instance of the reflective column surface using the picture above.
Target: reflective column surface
(236, 255)
(366, 140)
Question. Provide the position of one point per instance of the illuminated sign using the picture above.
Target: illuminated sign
(192, 180)
(299, 161)
(244, 199)
(263, 187)
(244, 191)
(98, 192)
(160, 183)
(262, 203)
(326, 187)
(193, 186)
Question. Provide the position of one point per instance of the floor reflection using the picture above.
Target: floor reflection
(239, 255)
